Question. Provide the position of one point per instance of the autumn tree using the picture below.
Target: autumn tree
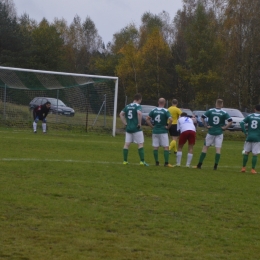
(84, 40)
(183, 90)
(155, 61)
(128, 68)
(126, 35)
(10, 8)
(10, 37)
(122, 52)
(47, 47)
(204, 57)
(241, 35)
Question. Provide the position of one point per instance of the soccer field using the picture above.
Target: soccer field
(68, 196)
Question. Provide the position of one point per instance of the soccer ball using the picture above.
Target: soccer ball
(243, 152)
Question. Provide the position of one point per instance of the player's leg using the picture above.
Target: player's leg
(164, 142)
(191, 143)
(208, 141)
(247, 149)
(218, 145)
(189, 155)
(139, 139)
(174, 135)
(156, 144)
(182, 141)
(254, 161)
(179, 155)
(44, 125)
(255, 151)
(36, 120)
(128, 141)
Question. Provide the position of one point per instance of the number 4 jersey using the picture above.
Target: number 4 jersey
(216, 119)
(253, 122)
(160, 117)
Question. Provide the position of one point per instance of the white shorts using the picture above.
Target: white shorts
(253, 147)
(137, 137)
(214, 140)
(160, 140)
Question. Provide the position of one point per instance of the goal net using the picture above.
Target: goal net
(78, 101)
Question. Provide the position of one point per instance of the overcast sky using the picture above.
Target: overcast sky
(109, 16)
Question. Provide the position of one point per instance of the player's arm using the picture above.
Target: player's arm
(139, 116)
(122, 117)
(179, 113)
(242, 124)
(228, 124)
(148, 121)
(47, 112)
(194, 120)
(178, 125)
(169, 123)
(203, 117)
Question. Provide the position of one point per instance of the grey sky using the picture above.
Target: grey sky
(109, 16)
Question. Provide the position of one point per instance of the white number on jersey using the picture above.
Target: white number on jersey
(254, 124)
(130, 114)
(215, 120)
(157, 119)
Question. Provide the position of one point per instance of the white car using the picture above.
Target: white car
(236, 116)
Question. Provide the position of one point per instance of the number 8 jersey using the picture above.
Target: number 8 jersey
(253, 121)
(216, 120)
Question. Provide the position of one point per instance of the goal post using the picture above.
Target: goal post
(79, 101)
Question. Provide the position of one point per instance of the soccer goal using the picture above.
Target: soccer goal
(79, 101)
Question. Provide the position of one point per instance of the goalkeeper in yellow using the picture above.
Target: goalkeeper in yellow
(174, 133)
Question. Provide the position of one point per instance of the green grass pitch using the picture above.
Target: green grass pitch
(68, 196)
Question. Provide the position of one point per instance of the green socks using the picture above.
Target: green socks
(155, 155)
(254, 161)
(125, 154)
(166, 156)
(217, 157)
(141, 154)
(245, 159)
(202, 157)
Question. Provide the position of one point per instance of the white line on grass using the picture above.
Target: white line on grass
(83, 161)
(62, 140)
(55, 160)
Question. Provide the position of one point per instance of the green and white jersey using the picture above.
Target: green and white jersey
(216, 119)
(160, 117)
(253, 122)
(132, 117)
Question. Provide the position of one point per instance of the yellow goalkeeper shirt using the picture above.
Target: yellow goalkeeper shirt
(175, 113)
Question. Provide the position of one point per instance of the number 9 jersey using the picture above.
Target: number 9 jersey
(216, 120)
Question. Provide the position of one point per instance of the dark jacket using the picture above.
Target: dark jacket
(41, 111)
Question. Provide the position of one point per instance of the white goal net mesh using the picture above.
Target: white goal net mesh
(78, 101)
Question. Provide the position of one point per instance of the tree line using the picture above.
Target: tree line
(209, 50)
